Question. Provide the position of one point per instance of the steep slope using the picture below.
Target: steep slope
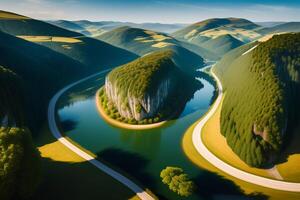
(148, 88)
(222, 44)
(11, 101)
(15, 24)
(19, 160)
(142, 42)
(42, 70)
(91, 52)
(262, 91)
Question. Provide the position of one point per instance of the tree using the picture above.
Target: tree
(177, 181)
(19, 164)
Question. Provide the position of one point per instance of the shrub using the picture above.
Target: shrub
(177, 181)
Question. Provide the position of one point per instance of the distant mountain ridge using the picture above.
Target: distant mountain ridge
(96, 28)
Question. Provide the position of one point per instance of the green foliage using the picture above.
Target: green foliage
(142, 78)
(112, 111)
(141, 75)
(177, 181)
(185, 56)
(19, 164)
(262, 95)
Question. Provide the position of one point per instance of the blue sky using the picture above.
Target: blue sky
(165, 11)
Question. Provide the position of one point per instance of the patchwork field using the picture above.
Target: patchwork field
(50, 39)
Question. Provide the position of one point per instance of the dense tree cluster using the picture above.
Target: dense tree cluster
(11, 97)
(19, 160)
(261, 96)
(142, 77)
(19, 164)
(177, 181)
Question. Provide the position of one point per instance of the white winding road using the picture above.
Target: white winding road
(141, 193)
(237, 173)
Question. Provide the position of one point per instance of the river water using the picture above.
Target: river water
(141, 154)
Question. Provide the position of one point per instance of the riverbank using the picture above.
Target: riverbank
(119, 124)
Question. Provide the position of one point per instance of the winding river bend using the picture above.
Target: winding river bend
(141, 154)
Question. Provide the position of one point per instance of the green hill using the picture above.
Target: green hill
(142, 42)
(147, 90)
(102, 26)
(69, 25)
(15, 24)
(42, 70)
(222, 44)
(44, 64)
(91, 52)
(219, 35)
(215, 23)
(261, 98)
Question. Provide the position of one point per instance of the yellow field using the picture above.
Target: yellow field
(290, 169)
(162, 44)
(247, 188)
(8, 15)
(216, 143)
(49, 39)
(156, 38)
(241, 34)
(72, 177)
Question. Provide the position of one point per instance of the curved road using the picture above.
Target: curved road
(141, 193)
(237, 173)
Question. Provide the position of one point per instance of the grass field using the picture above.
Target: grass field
(68, 176)
(290, 169)
(49, 39)
(250, 190)
(8, 15)
(217, 144)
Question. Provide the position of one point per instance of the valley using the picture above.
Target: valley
(112, 109)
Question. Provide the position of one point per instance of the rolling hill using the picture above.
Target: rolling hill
(222, 44)
(142, 42)
(210, 32)
(90, 28)
(69, 25)
(262, 90)
(285, 27)
(15, 24)
(46, 54)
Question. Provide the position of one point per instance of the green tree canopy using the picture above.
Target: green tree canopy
(177, 181)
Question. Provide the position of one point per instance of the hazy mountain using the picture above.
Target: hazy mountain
(285, 27)
(96, 28)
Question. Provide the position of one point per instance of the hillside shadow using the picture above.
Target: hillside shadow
(131, 163)
(77, 181)
(291, 146)
(68, 125)
(209, 185)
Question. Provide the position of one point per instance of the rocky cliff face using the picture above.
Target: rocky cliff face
(139, 108)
